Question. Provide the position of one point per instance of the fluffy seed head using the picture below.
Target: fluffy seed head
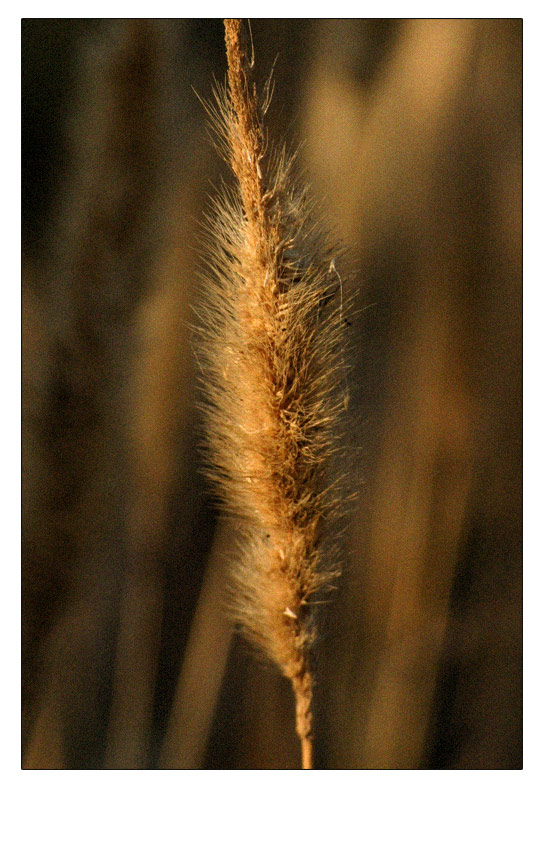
(273, 341)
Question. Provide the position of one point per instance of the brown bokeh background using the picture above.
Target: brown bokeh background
(410, 136)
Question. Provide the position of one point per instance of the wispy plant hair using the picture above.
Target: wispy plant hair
(273, 347)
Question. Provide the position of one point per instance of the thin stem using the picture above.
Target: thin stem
(303, 690)
(307, 746)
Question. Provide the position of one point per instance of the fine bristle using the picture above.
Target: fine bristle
(272, 327)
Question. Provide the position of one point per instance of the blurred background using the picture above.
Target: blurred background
(410, 140)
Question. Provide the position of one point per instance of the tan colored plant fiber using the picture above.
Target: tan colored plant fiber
(273, 328)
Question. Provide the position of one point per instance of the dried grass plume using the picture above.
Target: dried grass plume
(273, 352)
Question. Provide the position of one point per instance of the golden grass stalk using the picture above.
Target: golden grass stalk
(274, 349)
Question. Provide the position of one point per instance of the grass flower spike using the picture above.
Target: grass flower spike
(273, 348)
